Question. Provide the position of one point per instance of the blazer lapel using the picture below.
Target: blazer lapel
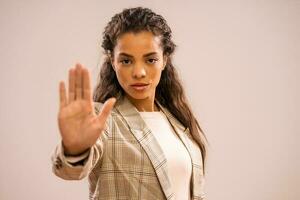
(194, 151)
(152, 148)
(149, 143)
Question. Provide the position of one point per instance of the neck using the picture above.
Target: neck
(144, 105)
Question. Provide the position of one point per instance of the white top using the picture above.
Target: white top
(178, 158)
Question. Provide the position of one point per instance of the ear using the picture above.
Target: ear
(165, 59)
(111, 59)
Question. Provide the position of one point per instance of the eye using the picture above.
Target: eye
(125, 61)
(152, 60)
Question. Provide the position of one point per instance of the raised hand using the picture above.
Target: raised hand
(78, 124)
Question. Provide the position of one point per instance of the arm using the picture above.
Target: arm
(75, 167)
(81, 123)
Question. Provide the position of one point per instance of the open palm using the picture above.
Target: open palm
(78, 123)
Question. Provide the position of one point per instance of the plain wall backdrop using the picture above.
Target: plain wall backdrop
(239, 62)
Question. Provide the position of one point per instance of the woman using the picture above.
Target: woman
(139, 138)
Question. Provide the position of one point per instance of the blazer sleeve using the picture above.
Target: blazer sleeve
(78, 167)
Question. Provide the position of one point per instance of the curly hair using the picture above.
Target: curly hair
(169, 91)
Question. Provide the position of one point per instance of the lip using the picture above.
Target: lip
(140, 84)
(140, 87)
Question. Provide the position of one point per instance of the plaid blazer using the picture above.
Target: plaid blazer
(127, 162)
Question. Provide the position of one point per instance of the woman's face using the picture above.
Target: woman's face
(138, 62)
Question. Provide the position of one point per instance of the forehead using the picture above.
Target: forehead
(137, 43)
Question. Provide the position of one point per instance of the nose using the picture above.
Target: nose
(138, 71)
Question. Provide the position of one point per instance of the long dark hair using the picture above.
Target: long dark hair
(169, 91)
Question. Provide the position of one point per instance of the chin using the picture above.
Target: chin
(138, 96)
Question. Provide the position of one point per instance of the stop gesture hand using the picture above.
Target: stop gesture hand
(78, 123)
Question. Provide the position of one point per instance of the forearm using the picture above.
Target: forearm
(75, 167)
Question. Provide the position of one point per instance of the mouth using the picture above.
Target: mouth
(140, 87)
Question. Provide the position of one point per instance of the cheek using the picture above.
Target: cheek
(155, 75)
(122, 75)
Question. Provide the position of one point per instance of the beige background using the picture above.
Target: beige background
(239, 62)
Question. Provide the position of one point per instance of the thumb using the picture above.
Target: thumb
(106, 109)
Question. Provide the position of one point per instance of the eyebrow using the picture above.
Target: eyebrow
(146, 55)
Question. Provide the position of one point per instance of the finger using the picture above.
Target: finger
(62, 95)
(78, 82)
(106, 109)
(71, 95)
(87, 94)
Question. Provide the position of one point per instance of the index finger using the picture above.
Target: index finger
(87, 94)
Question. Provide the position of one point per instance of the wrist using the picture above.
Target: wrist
(73, 152)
